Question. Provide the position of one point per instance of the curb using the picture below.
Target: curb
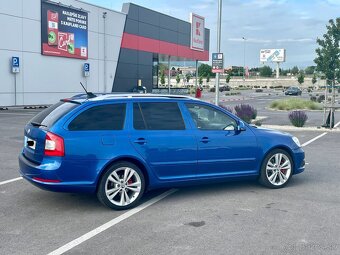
(291, 128)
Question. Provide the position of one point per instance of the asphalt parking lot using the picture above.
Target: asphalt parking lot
(225, 218)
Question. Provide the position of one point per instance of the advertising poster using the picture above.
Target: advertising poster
(197, 32)
(63, 31)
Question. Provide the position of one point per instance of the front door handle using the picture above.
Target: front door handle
(140, 141)
(205, 140)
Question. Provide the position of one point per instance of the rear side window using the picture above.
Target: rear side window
(102, 117)
(157, 116)
(53, 113)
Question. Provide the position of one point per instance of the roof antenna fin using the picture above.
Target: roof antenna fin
(89, 94)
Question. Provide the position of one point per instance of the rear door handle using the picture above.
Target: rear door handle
(205, 140)
(140, 141)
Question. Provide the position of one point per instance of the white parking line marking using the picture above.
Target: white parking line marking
(11, 180)
(109, 224)
(314, 139)
(337, 124)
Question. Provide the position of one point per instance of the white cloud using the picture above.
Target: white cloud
(252, 40)
(288, 40)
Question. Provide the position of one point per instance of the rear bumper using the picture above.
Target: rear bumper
(48, 179)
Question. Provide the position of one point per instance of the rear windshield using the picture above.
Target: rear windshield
(52, 114)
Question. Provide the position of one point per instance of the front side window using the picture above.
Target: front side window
(157, 116)
(102, 117)
(209, 118)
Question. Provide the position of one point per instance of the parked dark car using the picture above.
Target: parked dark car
(225, 88)
(293, 91)
(139, 90)
(121, 145)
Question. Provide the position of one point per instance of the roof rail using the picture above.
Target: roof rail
(109, 96)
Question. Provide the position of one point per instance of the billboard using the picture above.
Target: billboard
(63, 31)
(197, 32)
(273, 55)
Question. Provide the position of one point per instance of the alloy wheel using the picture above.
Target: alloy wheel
(278, 169)
(123, 186)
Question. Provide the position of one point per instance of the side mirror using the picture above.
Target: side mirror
(241, 126)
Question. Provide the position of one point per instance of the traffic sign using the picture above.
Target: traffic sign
(15, 65)
(217, 62)
(86, 69)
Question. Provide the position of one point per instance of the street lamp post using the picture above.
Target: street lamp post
(217, 78)
(244, 57)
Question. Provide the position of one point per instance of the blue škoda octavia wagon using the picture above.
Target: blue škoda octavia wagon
(119, 146)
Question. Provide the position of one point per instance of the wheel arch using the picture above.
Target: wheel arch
(280, 147)
(141, 165)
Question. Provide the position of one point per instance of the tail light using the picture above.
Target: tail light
(54, 145)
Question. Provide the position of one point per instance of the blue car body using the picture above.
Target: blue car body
(168, 158)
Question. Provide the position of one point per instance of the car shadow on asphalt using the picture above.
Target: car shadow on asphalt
(89, 202)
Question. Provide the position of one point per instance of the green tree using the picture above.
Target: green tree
(310, 69)
(314, 80)
(208, 77)
(204, 70)
(200, 81)
(295, 70)
(162, 78)
(227, 78)
(266, 71)
(328, 53)
(301, 78)
(188, 77)
(178, 79)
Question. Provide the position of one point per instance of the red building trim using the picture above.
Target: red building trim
(136, 42)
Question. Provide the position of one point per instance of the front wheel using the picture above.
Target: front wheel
(121, 186)
(276, 169)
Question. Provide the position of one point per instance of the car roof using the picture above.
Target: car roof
(82, 98)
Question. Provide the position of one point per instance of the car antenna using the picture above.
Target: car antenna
(89, 94)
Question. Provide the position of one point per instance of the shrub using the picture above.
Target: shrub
(246, 112)
(233, 93)
(212, 89)
(294, 104)
(313, 98)
(298, 118)
(225, 107)
(258, 123)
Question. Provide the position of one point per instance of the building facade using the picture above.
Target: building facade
(53, 42)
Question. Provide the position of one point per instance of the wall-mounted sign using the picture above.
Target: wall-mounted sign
(15, 65)
(197, 32)
(273, 55)
(63, 31)
(217, 63)
(86, 69)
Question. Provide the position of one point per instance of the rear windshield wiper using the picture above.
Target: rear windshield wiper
(36, 124)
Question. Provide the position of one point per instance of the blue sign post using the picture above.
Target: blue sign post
(86, 69)
(217, 63)
(15, 65)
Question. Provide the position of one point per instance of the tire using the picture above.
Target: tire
(272, 175)
(121, 186)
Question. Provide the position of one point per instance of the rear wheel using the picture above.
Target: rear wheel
(277, 169)
(121, 186)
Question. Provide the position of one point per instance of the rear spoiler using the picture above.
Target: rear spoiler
(69, 100)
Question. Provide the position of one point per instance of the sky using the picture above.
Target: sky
(266, 24)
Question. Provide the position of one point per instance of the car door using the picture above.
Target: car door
(222, 150)
(160, 136)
